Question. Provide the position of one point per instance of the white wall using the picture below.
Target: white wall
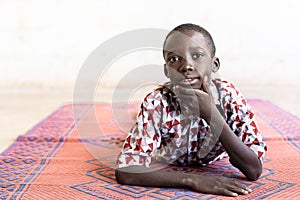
(44, 42)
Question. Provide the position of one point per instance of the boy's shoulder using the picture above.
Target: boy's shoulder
(228, 92)
(226, 87)
(223, 83)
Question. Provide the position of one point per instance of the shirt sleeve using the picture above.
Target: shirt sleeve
(241, 119)
(144, 137)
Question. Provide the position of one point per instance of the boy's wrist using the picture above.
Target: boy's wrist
(214, 116)
(188, 182)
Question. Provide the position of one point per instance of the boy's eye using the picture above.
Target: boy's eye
(197, 55)
(173, 59)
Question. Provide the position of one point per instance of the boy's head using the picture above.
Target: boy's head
(193, 27)
(189, 53)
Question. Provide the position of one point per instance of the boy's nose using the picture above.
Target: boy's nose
(186, 66)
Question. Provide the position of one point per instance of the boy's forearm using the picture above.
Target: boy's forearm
(240, 155)
(143, 176)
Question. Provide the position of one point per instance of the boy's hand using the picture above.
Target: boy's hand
(210, 184)
(216, 185)
(198, 102)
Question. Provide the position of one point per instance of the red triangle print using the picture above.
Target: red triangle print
(176, 122)
(128, 159)
(169, 124)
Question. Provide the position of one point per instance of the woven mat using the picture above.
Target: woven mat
(71, 155)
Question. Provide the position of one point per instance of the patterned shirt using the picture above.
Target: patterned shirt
(163, 134)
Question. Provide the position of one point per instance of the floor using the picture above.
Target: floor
(22, 109)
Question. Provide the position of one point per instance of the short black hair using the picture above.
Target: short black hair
(189, 26)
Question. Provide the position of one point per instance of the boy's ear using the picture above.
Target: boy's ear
(216, 64)
(166, 71)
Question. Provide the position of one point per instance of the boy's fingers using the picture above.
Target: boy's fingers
(240, 185)
(243, 188)
(226, 192)
(205, 85)
(238, 190)
(187, 100)
(190, 91)
(187, 91)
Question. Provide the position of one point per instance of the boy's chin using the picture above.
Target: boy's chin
(197, 88)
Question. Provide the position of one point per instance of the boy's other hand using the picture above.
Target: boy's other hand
(216, 185)
(197, 101)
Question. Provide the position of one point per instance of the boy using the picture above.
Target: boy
(192, 120)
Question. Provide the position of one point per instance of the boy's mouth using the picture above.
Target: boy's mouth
(189, 81)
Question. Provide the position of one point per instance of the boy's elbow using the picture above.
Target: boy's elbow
(124, 176)
(119, 176)
(254, 173)
(252, 170)
(253, 177)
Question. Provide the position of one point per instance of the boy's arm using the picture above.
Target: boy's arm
(240, 155)
(143, 176)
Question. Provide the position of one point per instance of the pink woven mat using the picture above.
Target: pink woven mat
(71, 155)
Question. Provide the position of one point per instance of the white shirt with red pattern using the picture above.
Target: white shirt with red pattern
(163, 134)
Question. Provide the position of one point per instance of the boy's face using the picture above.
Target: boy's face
(188, 59)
